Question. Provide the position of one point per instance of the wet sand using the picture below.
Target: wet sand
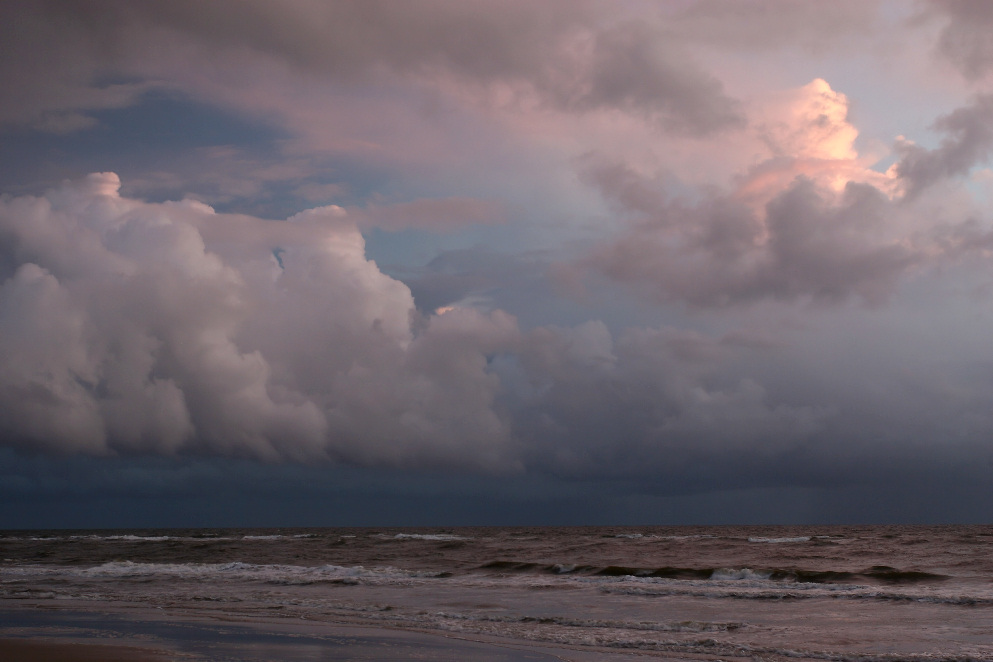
(32, 650)
(57, 635)
(372, 648)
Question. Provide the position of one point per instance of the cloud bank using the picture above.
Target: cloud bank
(136, 329)
(646, 248)
(812, 221)
(563, 55)
(161, 329)
(128, 327)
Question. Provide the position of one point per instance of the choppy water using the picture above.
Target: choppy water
(836, 593)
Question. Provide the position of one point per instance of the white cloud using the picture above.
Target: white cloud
(129, 327)
(135, 327)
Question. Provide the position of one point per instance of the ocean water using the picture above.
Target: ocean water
(755, 593)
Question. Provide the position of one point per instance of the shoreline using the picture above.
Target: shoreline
(35, 633)
(18, 649)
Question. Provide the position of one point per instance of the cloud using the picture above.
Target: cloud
(569, 56)
(808, 244)
(132, 328)
(481, 275)
(969, 143)
(630, 70)
(128, 327)
(168, 332)
(439, 215)
(813, 221)
(144, 331)
(653, 401)
(56, 56)
(770, 24)
(965, 39)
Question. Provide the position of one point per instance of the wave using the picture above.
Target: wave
(272, 537)
(122, 538)
(443, 537)
(236, 570)
(758, 589)
(640, 636)
(651, 626)
(167, 538)
(652, 536)
(875, 574)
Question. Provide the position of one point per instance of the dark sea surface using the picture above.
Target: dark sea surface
(769, 593)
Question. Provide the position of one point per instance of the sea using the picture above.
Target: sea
(687, 593)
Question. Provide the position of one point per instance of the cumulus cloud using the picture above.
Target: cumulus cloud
(148, 330)
(132, 328)
(812, 221)
(808, 244)
(128, 327)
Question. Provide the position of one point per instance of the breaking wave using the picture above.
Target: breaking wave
(875, 574)
(237, 571)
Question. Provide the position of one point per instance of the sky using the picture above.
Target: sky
(319, 263)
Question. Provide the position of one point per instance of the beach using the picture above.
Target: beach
(871, 593)
(31, 650)
(87, 636)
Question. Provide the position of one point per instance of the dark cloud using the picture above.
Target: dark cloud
(805, 244)
(170, 343)
(653, 402)
(55, 61)
(968, 143)
(965, 40)
(564, 53)
(173, 353)
(768, 24)
(137, 329)
(79, 492)
(631, 70)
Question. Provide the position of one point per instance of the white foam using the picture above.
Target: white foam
(117, 538)
(236, 571)
(780, 540)
(738, 574)
(129, 538)
(429, 536)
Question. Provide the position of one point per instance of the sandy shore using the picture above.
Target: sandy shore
(57, 635)
(33, 650)
(376, 646)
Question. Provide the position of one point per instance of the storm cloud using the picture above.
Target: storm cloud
(690, 254)
(554, 53)
(968, 143)
(130, 328)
